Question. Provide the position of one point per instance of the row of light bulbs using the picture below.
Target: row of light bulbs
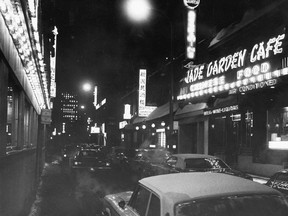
(153, 125)
(18, 31)
(227, 86)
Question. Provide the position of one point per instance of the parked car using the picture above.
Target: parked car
(144, 158)
(197, 194)
(91, 159)
(279, 181)
(118, 157)
(193, 163)
(68, 153)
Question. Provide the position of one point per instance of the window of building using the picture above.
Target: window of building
(278, 128)
(12, 115)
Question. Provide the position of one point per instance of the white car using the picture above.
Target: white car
(197, 194)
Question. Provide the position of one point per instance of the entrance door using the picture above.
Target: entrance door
(225, 137)
(188, 142)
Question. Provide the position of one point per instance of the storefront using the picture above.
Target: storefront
(24, 94)
(244, 85)
(193, 129)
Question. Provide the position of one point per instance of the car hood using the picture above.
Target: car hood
(114, 199)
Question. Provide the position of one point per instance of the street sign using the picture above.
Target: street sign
(46, 115)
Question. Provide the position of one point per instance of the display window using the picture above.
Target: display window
(278, 129)
(22, 119)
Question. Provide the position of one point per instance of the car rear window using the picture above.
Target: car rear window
(252, 205)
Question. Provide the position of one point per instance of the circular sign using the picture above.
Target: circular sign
(191, 4)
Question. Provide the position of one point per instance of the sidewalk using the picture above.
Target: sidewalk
(54, 195)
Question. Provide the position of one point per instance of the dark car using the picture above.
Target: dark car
(119, 157)
(193, 163)
(68, 153)
(145, 158)
(279, 181)
(91, 159)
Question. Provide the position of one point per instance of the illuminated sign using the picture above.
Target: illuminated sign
(95, 130)
(230, 73)
(101, 104)
(95, 96)
(143, 110)
(191, 35)
(191, 4)
(142, 89)
(127, 111)
(122, 124)
(221, 110)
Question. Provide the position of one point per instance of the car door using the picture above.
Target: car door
(144, 203)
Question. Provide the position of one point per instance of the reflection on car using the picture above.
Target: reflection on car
(91, 159)
(197, 194)
(279, 181)
(193, 163)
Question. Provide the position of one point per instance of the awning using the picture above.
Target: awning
(224, 102)
(162, 111)
(138, 120)
(190, 110)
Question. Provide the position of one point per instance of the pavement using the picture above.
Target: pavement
(55, 195)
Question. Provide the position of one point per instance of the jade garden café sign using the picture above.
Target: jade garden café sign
(239, 72)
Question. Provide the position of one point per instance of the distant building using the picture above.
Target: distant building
(66, 113)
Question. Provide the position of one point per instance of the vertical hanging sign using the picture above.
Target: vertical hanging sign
(191, 28)
(142, 89)
(143, 110)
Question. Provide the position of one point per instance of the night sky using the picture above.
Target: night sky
(96, 41)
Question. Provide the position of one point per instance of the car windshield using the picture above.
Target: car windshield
(252, 205)
(205, 163)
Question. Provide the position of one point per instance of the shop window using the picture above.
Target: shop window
(278, 129)
(247, 127)
(12, 116)
(27, 125)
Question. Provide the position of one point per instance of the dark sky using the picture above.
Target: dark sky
(97, 43)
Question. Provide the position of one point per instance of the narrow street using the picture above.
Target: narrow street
(61, 193)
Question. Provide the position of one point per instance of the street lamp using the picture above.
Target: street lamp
(139, 11)
(87, 87)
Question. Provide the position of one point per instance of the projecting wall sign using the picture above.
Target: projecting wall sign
(191, 4)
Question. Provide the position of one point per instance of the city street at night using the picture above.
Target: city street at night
(61, 194)
(143, 107)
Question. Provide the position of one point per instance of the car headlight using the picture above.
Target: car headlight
(77, 163)
(65, 155)
(107, 164)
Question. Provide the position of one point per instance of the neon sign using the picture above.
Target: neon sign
(191, 35)
(217, 76)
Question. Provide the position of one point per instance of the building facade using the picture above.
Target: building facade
(234, 103)
(25, 91)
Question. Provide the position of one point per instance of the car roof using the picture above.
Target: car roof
(179, 187)
(186, 156)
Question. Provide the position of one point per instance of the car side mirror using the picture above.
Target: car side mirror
(122, 204)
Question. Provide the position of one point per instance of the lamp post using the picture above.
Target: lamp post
(139, 11)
